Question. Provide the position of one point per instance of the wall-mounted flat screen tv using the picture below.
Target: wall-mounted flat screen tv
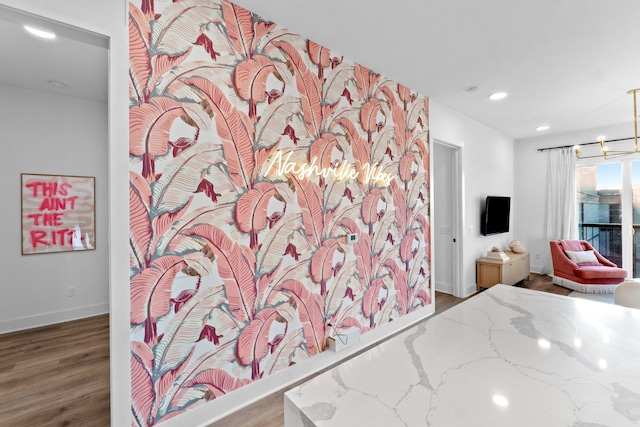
(495, 218)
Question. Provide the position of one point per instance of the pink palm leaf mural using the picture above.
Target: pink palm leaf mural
(370, 301)
(369, 116)
(139, 56)
(234, 129)
(234, 269)
(149, 292)
(320, 55)
(236, 273)
(139, 221)
(240, 30)
(251, 210)
(149, 126)
(253, 342)
(184, 330)
(322, 266)
(309, 89)
(311, 312)
(250, 77)
(370, 212)
(181, 178)
(285, 238)
(143, 392)
(310, 200)
(218, 382)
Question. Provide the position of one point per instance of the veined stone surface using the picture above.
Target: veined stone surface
(506, 357)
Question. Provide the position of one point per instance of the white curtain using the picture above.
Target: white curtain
(561, 218)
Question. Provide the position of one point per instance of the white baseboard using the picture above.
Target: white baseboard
(29, 322)
(536, 269)
(447, 288)
(469, 290)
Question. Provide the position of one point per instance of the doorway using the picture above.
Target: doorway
(608, 207)
(447, 217)
(54, 119)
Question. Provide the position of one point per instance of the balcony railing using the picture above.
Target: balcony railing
(607, 239)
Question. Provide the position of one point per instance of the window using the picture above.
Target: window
(609, 210)
(599, 201)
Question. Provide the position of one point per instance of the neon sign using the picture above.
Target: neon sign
(343, 171)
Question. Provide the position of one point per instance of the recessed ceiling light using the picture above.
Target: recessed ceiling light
(543, 127)
(40, 33)
(500, 400)
(498, 95)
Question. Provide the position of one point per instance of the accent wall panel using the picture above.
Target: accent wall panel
(254, 154)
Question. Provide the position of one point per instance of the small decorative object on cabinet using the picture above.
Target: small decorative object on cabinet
(516, 247)
(491, 271)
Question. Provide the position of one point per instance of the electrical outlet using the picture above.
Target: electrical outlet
(471, 229)
(537, 255)
(71, 291)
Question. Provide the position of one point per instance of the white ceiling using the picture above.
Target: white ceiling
(76, 58)
(565, 63)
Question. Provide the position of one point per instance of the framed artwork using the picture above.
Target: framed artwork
(58, 213)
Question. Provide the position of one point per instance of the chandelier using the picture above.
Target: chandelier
(610, 154)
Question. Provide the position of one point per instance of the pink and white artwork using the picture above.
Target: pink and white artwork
(254, 154)
(58, 213)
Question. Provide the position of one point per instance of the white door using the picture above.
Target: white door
(445, 218)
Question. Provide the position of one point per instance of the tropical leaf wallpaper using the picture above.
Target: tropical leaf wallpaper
(254, 153)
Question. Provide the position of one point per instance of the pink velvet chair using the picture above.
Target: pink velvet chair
(600, 276)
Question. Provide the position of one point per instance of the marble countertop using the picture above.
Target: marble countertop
(507, 357)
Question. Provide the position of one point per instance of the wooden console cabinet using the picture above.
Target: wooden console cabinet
(492, 271)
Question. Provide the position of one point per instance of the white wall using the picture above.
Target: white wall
(70, 138)
(531, 180)
(487, 157)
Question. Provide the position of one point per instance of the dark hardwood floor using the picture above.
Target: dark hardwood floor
(58, 375)
(543, 283)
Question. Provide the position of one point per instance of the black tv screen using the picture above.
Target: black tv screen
(495, 218)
